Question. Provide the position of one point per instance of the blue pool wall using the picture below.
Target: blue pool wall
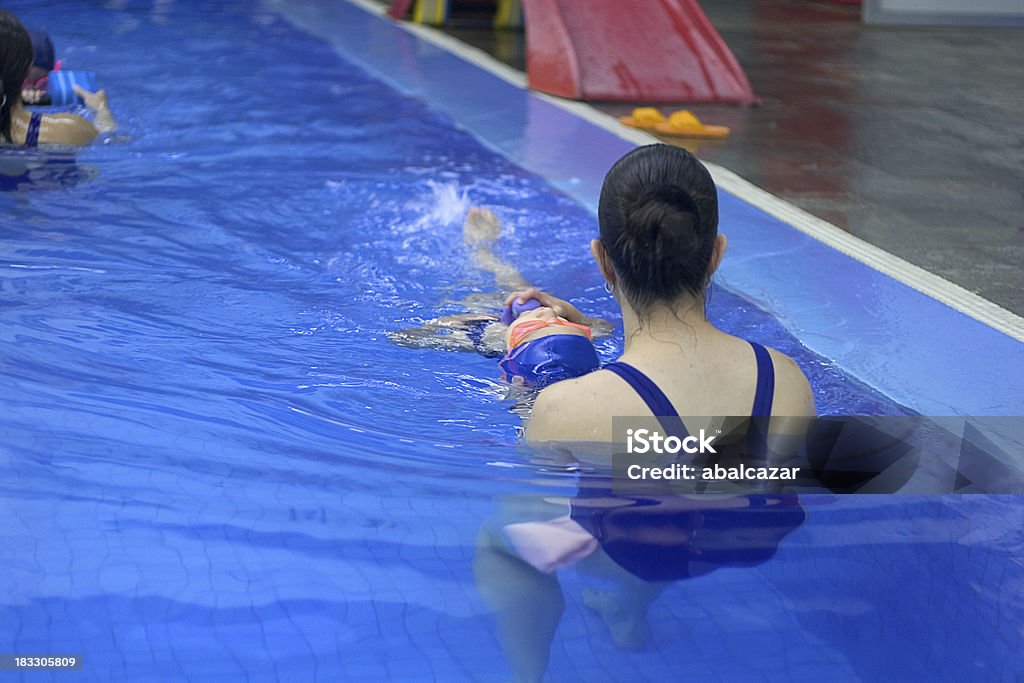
(910, 347)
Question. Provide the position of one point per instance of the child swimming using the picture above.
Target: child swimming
(536, 344)
(543, 347)
(23, 128)
(33, 90)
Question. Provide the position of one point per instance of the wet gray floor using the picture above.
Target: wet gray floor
(911, 138)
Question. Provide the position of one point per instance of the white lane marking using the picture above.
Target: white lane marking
(924, 281)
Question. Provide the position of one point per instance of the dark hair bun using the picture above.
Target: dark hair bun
(659, 219)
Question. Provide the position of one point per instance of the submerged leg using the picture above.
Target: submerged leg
(481, 226)
(479, 232)
(624, 610)
(527, 604)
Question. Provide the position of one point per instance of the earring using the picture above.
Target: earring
(609, 287)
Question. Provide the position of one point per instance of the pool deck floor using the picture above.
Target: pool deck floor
(910, 138)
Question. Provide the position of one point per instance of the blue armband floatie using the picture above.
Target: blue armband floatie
(59, 86)
(512, 311)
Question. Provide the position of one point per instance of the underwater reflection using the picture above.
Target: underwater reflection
(31, 169)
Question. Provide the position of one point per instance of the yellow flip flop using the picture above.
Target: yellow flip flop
(685, 124)
(645, 118)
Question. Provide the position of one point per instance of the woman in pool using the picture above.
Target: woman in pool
(658, 249)
(20, 127)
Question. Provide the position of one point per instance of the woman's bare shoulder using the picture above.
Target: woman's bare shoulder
(66, 129)
(578, 409)
(793, 394)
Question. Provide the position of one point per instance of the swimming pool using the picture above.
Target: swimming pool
(216, 467)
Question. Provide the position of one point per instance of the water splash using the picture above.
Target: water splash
(450, 203)
(446, 204)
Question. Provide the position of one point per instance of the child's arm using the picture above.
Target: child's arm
(451, 333)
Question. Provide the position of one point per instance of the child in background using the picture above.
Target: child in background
(23, 128)
(33, 91)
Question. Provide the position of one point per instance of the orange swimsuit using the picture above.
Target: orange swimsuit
(524, 329)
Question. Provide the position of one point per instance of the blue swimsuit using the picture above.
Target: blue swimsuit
(656, 537)
(666, 413)
(32, 136)
(658, 403)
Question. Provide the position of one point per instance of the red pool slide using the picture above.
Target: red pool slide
(630, 50)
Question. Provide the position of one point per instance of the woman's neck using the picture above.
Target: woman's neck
(681, 323)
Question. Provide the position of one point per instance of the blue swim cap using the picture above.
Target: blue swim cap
(550, 359)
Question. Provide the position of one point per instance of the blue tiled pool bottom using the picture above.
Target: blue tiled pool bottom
(215, 466)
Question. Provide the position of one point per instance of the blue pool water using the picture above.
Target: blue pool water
(216, 467)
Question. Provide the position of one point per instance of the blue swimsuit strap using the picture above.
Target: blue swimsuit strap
(32, 136)
(656, 400)
(475, 330)
(658, 403)
(765, 391)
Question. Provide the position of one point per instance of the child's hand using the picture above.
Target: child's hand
(94, 100)
(598, 326)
